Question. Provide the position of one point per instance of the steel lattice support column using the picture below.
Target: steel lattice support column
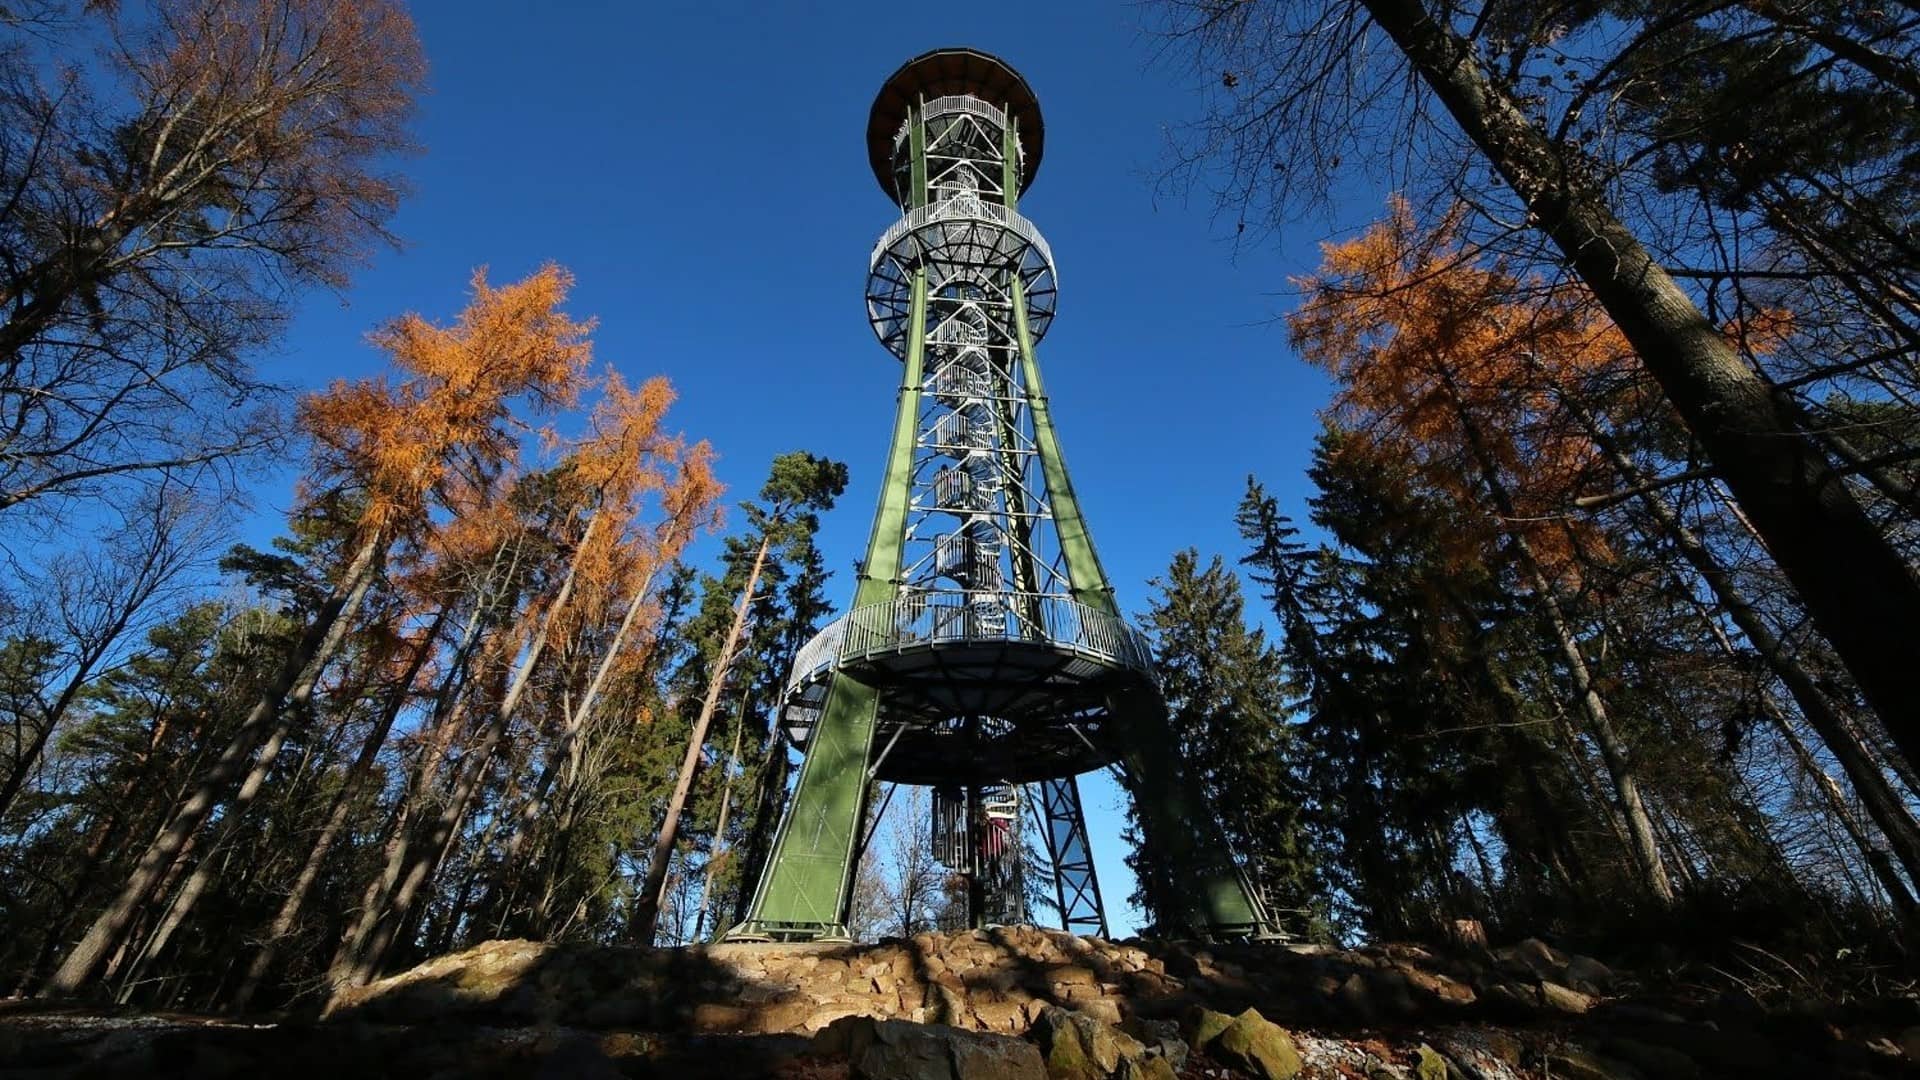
(1076, 887)
(984, 650)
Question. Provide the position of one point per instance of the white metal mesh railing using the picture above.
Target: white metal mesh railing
(818, 654)
(964, 103)
(936, 618)
(948, 106)
(959, 103)
(970, 210)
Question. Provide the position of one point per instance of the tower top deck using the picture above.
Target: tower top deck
(940, 73)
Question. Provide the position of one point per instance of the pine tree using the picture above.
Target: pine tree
(783, 522)
(1222, 682)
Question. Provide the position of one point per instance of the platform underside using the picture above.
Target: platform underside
(981, 711)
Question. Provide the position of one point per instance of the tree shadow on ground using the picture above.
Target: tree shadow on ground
(519, 1008)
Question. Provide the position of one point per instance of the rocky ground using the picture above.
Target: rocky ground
(1007, 1004)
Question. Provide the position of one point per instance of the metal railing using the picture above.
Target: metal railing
(971, 211)
(819, 654)
(941, 618)
(947, 106)
(964, 103)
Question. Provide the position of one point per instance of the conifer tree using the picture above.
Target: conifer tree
(1556, 139)
(1222, 682)
(785, 518)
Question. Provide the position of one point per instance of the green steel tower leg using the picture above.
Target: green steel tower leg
(1173, 813)
(1085, 576)
(804, 892)
(1026, 576)
(1208, 895)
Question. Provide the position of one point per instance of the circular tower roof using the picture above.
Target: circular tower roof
(952, 71)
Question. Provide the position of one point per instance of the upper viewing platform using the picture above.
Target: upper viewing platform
(946, 73)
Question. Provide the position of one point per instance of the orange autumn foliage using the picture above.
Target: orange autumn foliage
(623, 467)
(1763, 332)
(443, 459)
(318, 90)
(1454, 365)
(451, 417)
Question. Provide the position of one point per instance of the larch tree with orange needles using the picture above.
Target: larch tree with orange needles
(1514, 398)
(391, 449)
(597, 496)
(1435, 360)
(627, 460)
(1559, 146)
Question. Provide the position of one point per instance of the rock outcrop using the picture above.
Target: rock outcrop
(1013, 1003)
(998, 980)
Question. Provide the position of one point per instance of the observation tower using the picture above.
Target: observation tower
(984, 655)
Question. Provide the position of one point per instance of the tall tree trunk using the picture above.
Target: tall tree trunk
(1613, 750)
(144, 916)
(401, 828)
(1677, 856)
(335, 823)
(182, 902)
(367, 945)
(448, 715)
(720, 826)
(578, 718)
(1871, 852)
(1896, 887)
(296, 678)
(1642, 841)
(132, 803)
(1862, 594)
(1549, 817)
(647, 905)
(402, 917)
(770, 790)
(553, 860)
(1884, 805)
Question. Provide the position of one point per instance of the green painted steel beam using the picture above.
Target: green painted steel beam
(1010, 163)
(1026, 576)
(880, 573)
(803, 892)
(1210, 897)
(1174, 816)
(917, 150)
(805, 889)
(1085, 577)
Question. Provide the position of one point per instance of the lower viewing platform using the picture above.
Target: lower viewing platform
(1007, 686)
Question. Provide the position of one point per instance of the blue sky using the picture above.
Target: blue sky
(700, 167)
